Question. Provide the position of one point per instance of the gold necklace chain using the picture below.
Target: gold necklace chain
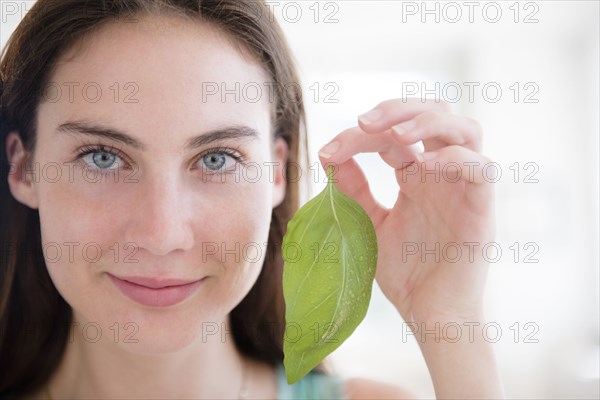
(242, 393)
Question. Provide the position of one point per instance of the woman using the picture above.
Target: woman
(127, 213)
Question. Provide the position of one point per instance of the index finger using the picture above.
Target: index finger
(392, 112)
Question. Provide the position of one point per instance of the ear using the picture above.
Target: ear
(280, 155)
(19, 181)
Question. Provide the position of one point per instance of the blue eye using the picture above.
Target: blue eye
(100, 158)
(103, 160)
(214, 161)
(220, 159)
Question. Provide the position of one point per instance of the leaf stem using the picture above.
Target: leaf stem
(330, 173)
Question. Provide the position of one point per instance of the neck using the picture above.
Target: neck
(209, 367)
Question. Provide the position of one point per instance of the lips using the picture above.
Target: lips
(155, 283)
(155, 292)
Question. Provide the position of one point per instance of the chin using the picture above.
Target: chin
(162, 340)
(142, 330)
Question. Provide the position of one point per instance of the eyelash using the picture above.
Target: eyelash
(225, 150)
(98, 148)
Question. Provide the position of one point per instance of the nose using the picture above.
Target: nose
(160, 220)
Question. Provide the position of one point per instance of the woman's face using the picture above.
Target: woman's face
(162, 206)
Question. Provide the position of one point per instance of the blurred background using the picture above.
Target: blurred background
(529, 72)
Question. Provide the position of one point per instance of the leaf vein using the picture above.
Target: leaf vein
(310, 269)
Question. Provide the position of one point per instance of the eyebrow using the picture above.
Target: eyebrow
(93, 129)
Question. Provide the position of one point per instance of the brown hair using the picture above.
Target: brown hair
(34, 318)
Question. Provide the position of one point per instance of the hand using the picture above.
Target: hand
(456, 210)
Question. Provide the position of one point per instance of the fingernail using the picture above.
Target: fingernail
(371, 116)
(404, 127)
(329, 149)
(429, 155)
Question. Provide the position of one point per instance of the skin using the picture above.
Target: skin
(171, 211)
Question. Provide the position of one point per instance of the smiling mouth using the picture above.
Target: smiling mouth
(153, 292)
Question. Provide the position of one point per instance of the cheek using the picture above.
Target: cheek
(235, 237)
(73, 229)
(78, 242)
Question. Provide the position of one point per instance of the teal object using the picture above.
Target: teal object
(314, 386)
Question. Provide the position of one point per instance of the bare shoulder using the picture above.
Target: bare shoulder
(362, 388)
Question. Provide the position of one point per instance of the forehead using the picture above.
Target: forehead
(159, 73)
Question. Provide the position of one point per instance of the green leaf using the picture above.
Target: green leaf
(330, 254)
